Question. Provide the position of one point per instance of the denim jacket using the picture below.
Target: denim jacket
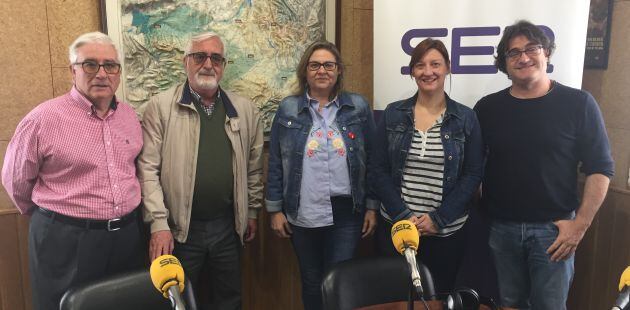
(463, 159)
(289, 132)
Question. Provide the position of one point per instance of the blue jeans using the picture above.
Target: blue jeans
(318, 249)
(527, 277)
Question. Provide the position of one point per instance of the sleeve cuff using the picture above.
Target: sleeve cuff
(402, 216)
(273, 206)
(159, 225)
(252, 213)
(372, 204)
(437, 220)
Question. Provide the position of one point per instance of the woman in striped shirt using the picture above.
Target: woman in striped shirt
(429, 165)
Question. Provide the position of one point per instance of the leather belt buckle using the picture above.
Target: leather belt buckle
(113, 221)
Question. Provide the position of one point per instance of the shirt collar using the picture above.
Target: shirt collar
(312, 101)
(86, 103)
(197, 96)
(187, 97)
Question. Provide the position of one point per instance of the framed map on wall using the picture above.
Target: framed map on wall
(264, 42)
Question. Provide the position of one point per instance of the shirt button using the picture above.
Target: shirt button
(343, 128)
(450, 157)
(446, 136)
(351, 149)
(289, 123)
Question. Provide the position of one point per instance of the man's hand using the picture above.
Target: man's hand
(570, 234)
(161, 243)
(252, 228)
(369, 223)
(280, 225)
(426, 225)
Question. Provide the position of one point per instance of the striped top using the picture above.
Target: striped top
(423, 175)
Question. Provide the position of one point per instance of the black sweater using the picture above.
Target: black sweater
(534, 147)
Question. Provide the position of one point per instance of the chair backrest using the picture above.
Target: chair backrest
(371, 281)
(127, 291)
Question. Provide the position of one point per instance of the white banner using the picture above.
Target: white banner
(471, 30)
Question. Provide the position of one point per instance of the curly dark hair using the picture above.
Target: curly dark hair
(521, 28)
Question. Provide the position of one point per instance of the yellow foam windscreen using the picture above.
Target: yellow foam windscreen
(405, 235)
(166, 271)
(625, 279)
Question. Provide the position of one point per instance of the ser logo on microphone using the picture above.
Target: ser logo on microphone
(400, 227)
(169, 261)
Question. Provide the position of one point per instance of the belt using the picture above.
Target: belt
(109, 225)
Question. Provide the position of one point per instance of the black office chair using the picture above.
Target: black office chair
(127, 291)
(371, 281)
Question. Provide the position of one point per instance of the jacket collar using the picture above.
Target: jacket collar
(187, 97)
(452, 109)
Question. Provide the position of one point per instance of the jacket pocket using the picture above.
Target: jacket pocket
(288, 135)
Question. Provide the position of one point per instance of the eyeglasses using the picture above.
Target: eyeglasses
(328, 66)
(91, 67)
(200, 58)
(530, 51)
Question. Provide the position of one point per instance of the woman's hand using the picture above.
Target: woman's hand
(426, 225)
(280, 225)
(369, 223)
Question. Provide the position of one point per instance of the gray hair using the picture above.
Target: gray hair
(90, 37)
(200, 37)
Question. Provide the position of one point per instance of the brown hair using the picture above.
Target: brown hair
(302, 66)
(423, 47)
(521, 28)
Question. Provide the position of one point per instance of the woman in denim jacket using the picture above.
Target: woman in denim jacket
(428, 165)
(318, 154)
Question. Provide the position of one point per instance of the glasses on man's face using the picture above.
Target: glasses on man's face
(92, 67)
(200, 58)
(515, 53)
(328, 66)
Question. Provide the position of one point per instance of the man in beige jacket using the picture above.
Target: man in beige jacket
(201, 173)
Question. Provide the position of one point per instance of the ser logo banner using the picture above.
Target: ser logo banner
(457, 50)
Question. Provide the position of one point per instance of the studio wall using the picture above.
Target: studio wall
(34, 36)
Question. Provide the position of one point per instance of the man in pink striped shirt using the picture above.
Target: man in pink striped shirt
(71, 166)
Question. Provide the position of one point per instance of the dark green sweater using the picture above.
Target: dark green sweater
(213, 195)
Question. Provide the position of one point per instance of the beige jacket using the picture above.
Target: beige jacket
(168, 162)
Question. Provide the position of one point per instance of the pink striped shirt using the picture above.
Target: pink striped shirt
(65, 158)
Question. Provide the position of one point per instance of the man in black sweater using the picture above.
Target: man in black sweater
(537, 133)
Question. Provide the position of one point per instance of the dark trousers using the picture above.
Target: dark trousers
(62, 255)
(214, 247)
(442, 255)
(318, 249)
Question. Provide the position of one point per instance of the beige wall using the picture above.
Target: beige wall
(34, 36)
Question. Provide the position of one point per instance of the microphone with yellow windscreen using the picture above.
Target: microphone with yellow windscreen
(167, 276)
(405, 236)
(625, 279)
(406, 239)
(623, 299)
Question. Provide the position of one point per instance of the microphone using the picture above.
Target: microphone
(406, 239)
(624, 291)
(167, 276)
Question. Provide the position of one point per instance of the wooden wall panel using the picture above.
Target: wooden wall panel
(24, 59)
(603, 255)
(11, 283)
